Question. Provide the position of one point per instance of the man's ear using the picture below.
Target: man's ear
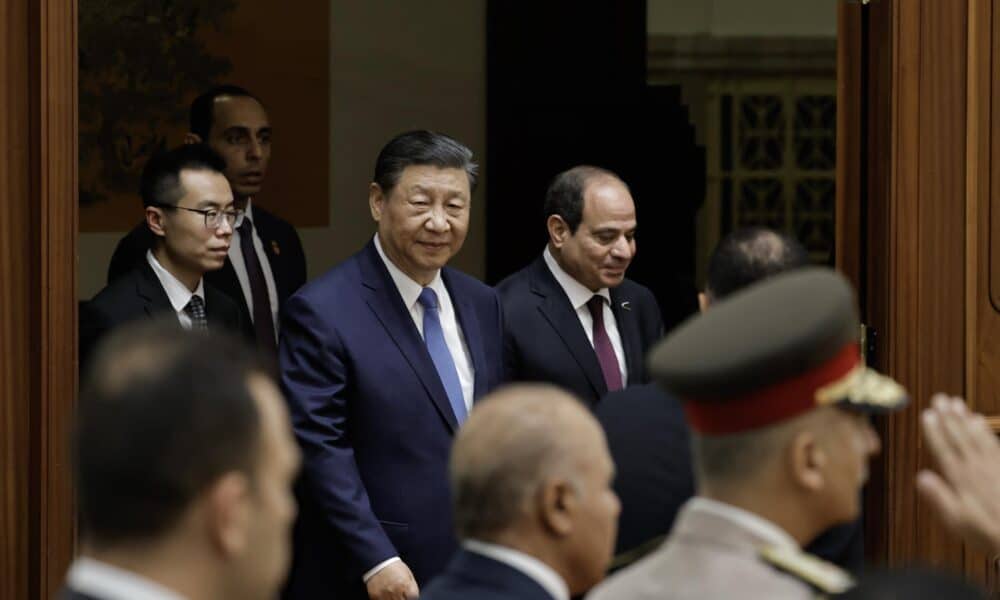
(228, 514)
(703, 301)
(376, 200)
(155, 221)
(192, 138)
(558, 230)
(808, 460)
(557, 502)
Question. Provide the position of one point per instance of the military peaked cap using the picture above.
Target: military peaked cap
(771, 352)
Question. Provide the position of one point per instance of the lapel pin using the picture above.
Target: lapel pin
(275, 248)
(626, 305)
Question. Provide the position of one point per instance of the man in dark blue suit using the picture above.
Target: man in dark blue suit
(533, 502)
(381, 359)
(571, 317)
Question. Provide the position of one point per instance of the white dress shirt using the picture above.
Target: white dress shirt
(749, 521)
(101, 580)
(236, 258)
(453, 337)
(177, 292)
(539, 572)
(579, 296)
(410, 290)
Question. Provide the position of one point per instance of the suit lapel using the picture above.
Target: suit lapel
(262, 223)
(466, 315)
(494, 575)
(628, 329)
(150, 290)
(385, 302)
(226, 281)
(557, 310)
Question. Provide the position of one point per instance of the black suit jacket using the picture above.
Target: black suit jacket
(649, 442)
(544, 341)
(281, 245)
(474, 576)
(139, 295)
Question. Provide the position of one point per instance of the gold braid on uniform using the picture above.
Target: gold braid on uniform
(820, 575)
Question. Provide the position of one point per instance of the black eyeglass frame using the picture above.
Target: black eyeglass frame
(206, 213)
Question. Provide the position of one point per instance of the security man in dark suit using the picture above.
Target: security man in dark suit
(190, 216)
(777, 397)
(265, 264)
(645, 425)
(571, 317)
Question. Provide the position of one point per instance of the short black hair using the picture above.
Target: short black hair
(748, 255)
(203, 107)
(162, 415)
(419, 148)
(161, 178)
(565, 194)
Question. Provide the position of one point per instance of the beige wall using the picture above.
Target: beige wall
(743, 18)
(394, 65)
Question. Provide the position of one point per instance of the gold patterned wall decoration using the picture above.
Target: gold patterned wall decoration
(771, 147)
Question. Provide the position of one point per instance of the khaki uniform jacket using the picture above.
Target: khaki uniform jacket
(708, 556)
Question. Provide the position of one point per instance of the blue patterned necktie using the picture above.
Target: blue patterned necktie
(434, 338)
(196, 310)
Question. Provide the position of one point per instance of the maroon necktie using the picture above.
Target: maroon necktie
(602, 346)
(263, 322)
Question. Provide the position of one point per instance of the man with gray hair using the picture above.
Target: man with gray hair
(531, 489)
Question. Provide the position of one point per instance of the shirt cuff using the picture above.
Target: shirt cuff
(374, 570)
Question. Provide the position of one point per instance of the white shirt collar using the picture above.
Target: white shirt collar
(408, 288)
(101, 580)
(579, 295)
(758, 525)
(539, 572)
(177, 292)
(248, 212)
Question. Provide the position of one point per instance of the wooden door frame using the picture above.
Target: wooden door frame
(38, 329)
(913, 186)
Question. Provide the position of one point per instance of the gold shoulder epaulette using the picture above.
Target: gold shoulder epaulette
(821, 575)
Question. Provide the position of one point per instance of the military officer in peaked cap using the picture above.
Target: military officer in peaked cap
(777, 398)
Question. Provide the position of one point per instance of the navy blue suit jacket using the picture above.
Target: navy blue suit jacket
(374, 423)
(474, 576)
(649, 441)
(138, 294)
(544, 341)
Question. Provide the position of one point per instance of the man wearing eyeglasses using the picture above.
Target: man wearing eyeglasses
(266, 263)
(190, 213)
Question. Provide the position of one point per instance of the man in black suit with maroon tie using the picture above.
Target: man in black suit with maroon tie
(571, 317)
(265, 264)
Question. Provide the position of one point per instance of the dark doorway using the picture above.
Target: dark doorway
(566, 85)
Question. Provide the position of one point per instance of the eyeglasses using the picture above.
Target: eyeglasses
(213, 216)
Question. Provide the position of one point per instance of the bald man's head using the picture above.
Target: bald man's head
(747, 256)
(531, 469)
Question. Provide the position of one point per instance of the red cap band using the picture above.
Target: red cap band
(772, 404)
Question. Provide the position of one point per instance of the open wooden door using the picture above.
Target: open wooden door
(917, 95)
(38, 232)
